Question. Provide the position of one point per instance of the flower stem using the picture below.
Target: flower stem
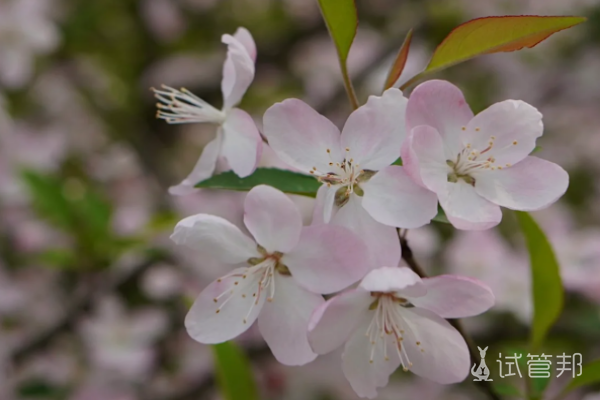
(348, 85)
(408, 257)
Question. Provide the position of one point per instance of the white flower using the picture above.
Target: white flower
(394, 318)
(361, 189)
(277, 274)
(238, 139)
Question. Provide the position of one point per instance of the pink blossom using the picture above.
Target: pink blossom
(361, 190)
(394, 318)
(238, 139)
(475, 164)
(277, 274)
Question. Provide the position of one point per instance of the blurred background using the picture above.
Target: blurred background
(92, 291)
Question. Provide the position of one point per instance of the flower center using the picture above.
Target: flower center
(346, 174)
(387, 321)
(470, 160)
(254, 280)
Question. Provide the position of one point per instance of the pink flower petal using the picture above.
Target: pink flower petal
(283, 322)
(242, 144)
(216, 236)
(236, 312)
(327, 258)
(366, 376)
(301, 137)
(466, 209)
(392, 198)
(529, 185)
(381, 240)
(272, 218)
(374, 133)
(394, 279)
(334, 321)
(243, 36)
(451, 296)
(512, 126)
(442, 354)
(238, 72)
(442, 106)
(203, 169)
(423, 158)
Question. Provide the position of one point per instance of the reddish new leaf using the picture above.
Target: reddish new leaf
(399, 62)
(493, 35)
(496, 34)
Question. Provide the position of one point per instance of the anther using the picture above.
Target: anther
(515, 143)
(464, 128)
(477, 129)
(218, 311)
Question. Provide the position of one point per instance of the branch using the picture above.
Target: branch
(408, 257)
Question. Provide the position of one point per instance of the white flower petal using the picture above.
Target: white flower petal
(242, 144)
(203, 169)
(238, 72)
(333, 322)
(301, 137)
(394, 279)
(284, 321)
(328, 258)
(374, 132)
(529, 185)
(392, 198)
(238, 308)
(512, 126)
(381, 240)
(442, 354)
(272, 218)
(366, 376)
(441, 105)
(215, 236)
(451, 296)
(466, 209)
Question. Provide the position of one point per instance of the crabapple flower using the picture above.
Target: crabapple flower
(361, 189)
(238, 140)
(477, 164)
(394, 318)
(277, 274)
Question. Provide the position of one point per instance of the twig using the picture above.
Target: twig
(408, 257)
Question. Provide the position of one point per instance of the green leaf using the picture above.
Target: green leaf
(548, 295)
(441, 216)
(342, 20)
(493, 35)
(590, 374)
(286, 181)
(234, 372)
(399, 62)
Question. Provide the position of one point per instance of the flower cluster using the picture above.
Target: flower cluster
(384, 314)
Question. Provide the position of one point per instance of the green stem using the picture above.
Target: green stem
(348, 85)
(411, 81)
